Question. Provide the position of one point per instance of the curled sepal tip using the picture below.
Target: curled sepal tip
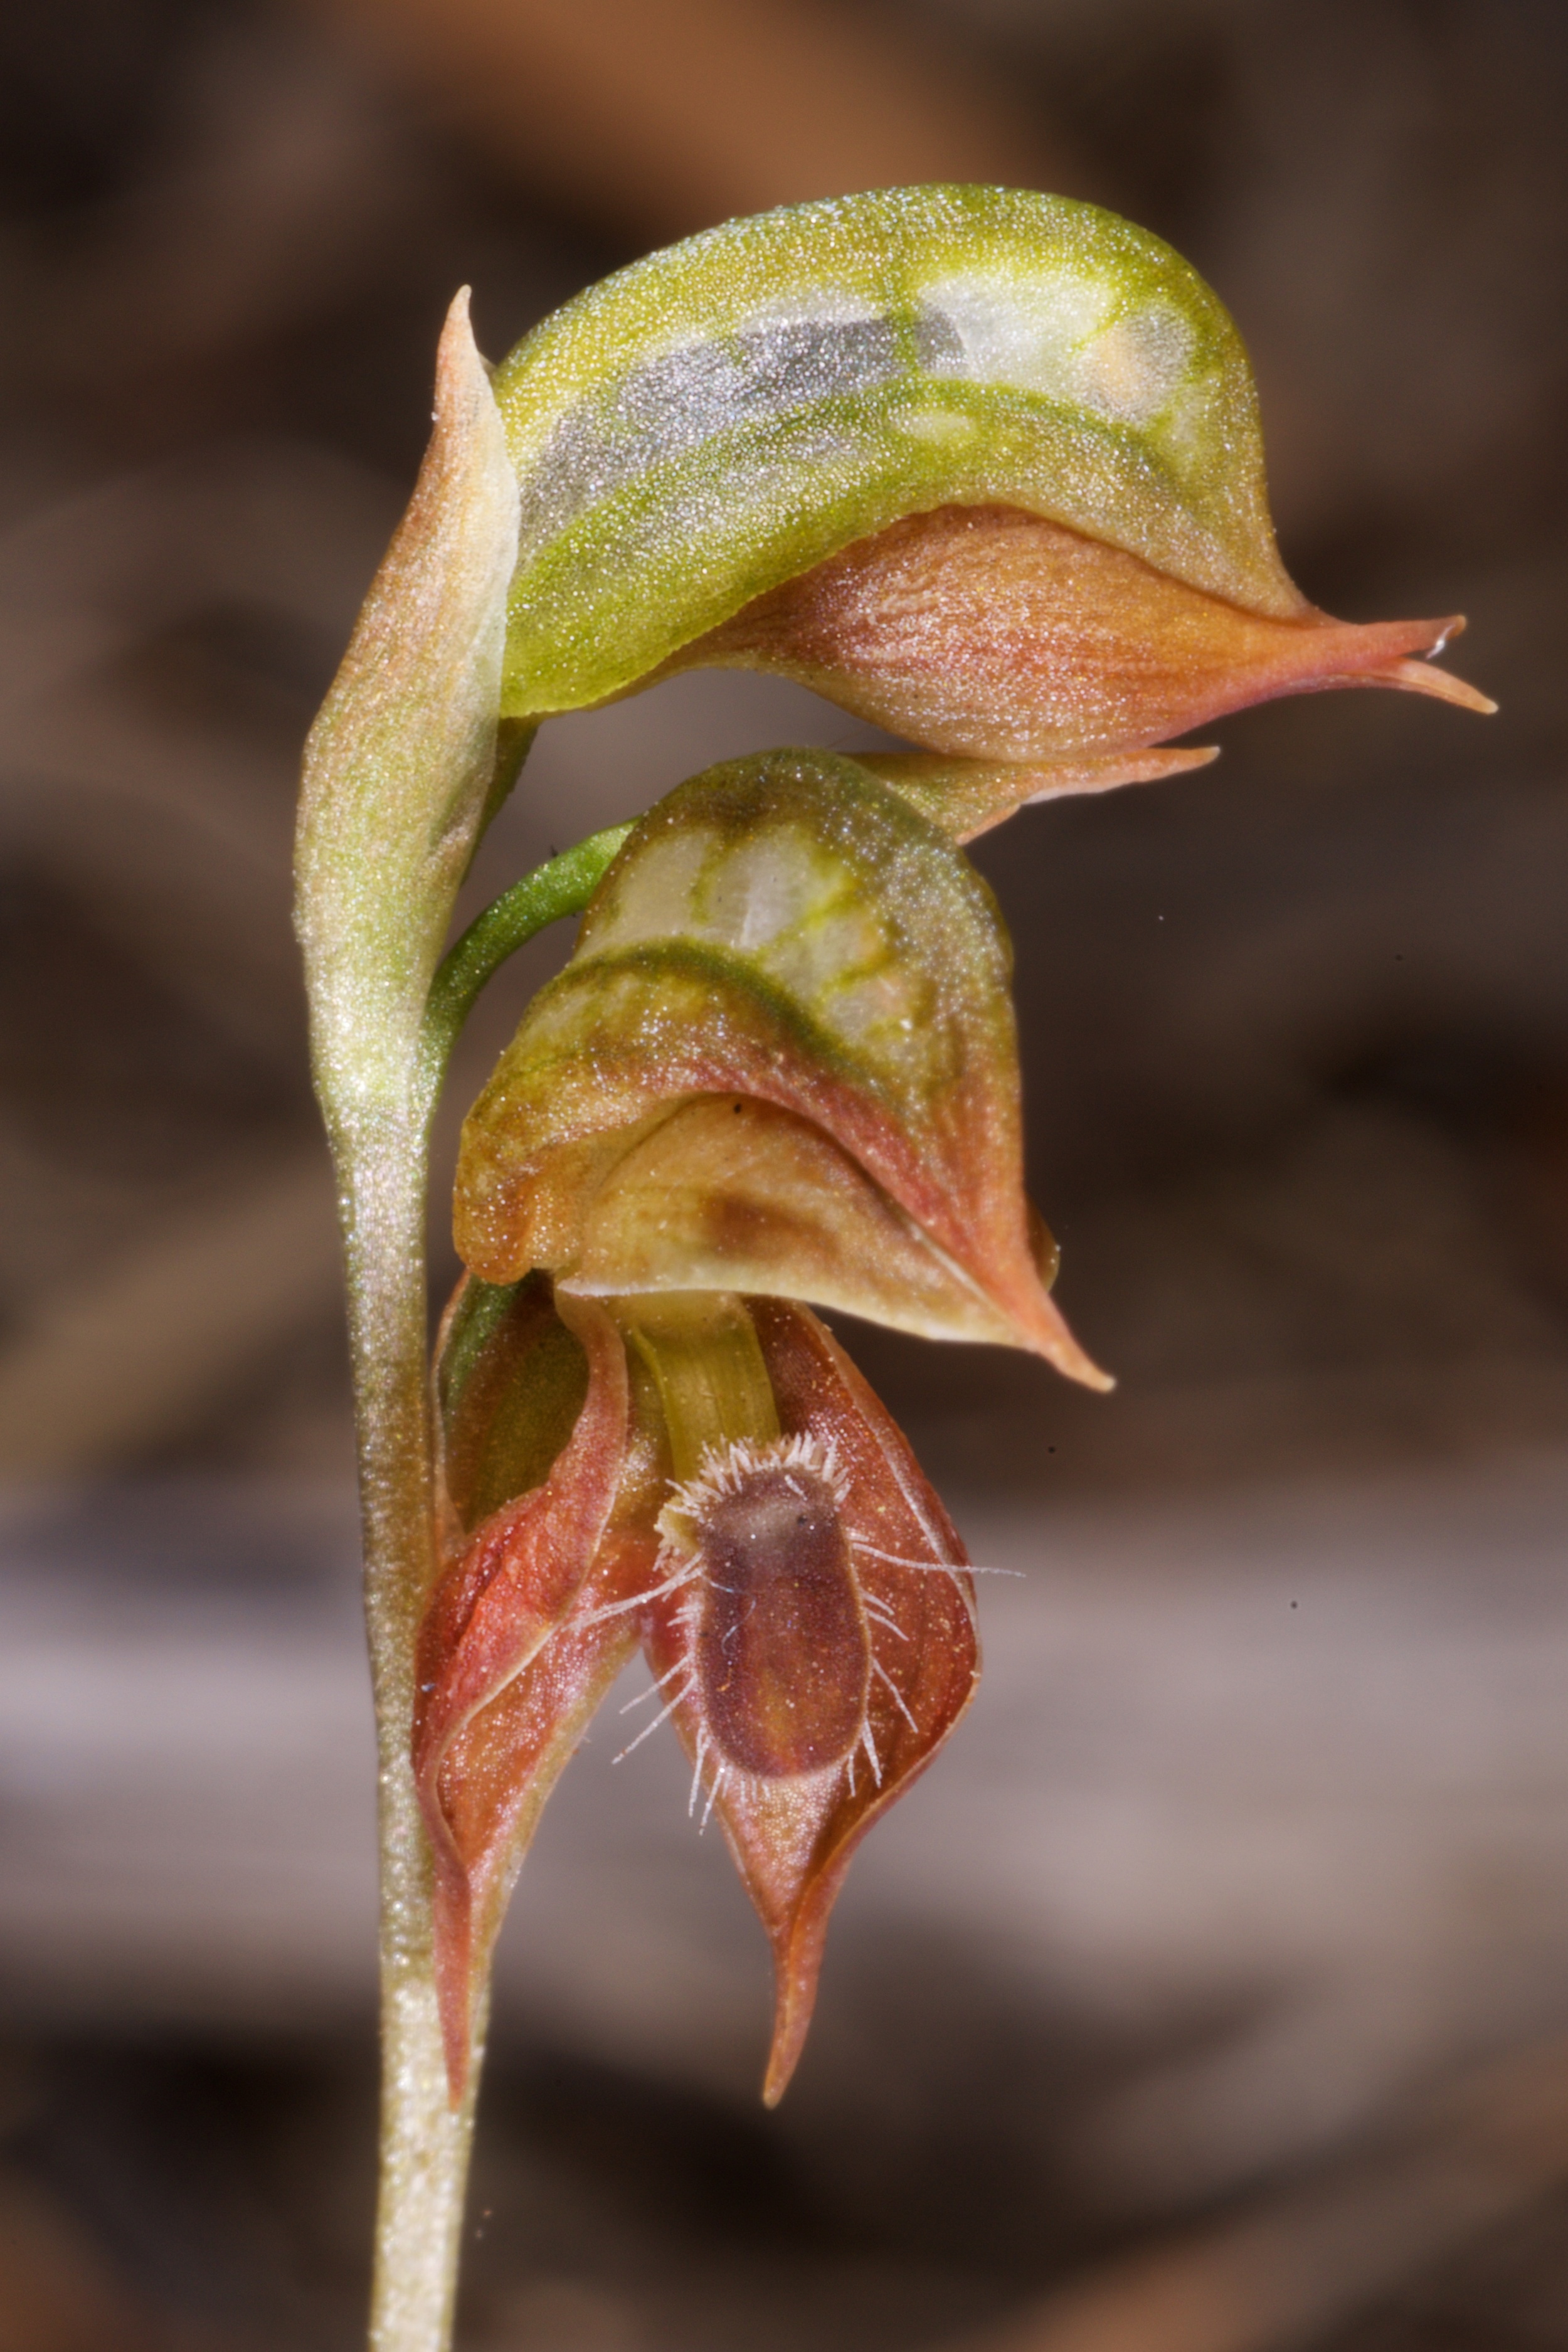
(813, 1625)
(1424, 676)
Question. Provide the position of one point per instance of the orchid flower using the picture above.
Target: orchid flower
(780, 1067)
(983, 466)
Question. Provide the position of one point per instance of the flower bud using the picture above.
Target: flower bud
(728, 414)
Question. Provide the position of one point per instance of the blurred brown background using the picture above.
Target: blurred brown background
(1209, 1993)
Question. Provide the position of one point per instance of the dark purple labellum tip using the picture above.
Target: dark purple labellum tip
(782, 1657)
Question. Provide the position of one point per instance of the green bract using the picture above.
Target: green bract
(726, 414)
(400, 766)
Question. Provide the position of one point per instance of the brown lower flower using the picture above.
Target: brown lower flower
(733, 1497)
(781, 1067)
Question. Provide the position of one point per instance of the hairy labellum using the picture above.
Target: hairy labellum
(866, 1657)
(781, 1659)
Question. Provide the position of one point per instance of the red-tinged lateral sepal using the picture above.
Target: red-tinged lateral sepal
(996, 635)
(513, 1653)
(815, 1634)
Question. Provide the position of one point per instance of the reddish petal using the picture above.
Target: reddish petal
(967, 797)
(993, 634)
(510, 1379)
(484, 1796)
(489, 1737)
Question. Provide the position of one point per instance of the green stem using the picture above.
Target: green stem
(383, 1157)
(425, 2142)
(563, 886)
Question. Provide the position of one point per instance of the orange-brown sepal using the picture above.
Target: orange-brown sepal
(512, 1656)
(819, 1638)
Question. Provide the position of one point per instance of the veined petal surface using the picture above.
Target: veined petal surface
(994, 634)
(506, 1684)
(728, 412)
(786, 935)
